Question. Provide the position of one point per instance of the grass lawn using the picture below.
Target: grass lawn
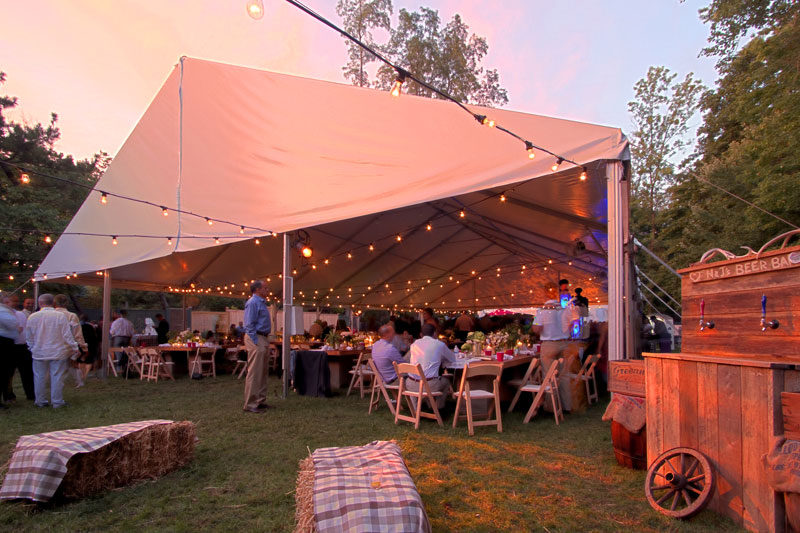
(534, 477)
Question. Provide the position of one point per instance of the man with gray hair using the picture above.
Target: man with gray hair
(51, 342)
(384, 354)
(257, 327)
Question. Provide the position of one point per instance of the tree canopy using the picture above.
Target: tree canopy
(447, 57)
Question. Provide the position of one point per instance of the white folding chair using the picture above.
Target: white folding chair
(380, 388)
(549, 386)
(204, 357)
(466, 394)
(408, 371)
(361, 372)
(533, 376)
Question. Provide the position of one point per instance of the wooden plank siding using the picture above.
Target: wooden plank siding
(730, 413)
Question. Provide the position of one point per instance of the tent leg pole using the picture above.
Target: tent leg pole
(287, 312)
(105, 334)
(36, 295)
(616, 262)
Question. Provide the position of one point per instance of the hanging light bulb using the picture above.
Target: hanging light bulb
(216, 240)
(583, 175)
(164, 211)
(429, 226)
(399, 237)
(104, 198)
(210, 222)
(556, 164)
(25, 178)
(241, 230)
(255, 8)
(502, 197)
(486, 121)
(169, 241)
(114, 240)
(258, 241)
(349, 255)
(529, 148)
(11, 277)
(307, 251)
(398, 83)
(371, 247)
(462, 214)
(47, 239)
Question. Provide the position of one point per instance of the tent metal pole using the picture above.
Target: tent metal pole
(36, 295)
(287, 312)
(105, 334)
(616, 266)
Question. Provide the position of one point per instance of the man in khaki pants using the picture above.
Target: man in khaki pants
(257, 326)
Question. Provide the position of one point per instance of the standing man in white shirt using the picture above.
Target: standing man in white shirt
(429, 353)
(51, 343)
(121, 331)
(552, 324)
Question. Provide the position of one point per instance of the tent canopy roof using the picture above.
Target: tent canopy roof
(353, 167)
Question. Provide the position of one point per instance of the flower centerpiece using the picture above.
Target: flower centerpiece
(475, 341)
(333, 339)
(513, 335)
(185, 337)
(497, 340)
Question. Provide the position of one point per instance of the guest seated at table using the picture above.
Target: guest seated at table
(384, 354)
(210, 340)
(233, 333)
(341, 325)
(429, 318)
(429, 352)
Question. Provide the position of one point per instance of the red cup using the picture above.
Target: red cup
(500, 356)
(487, 352)
(509, 352)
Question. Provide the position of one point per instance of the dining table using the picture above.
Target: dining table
(513, 367)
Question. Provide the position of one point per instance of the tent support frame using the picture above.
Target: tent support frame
(106, 346)
(287, 312)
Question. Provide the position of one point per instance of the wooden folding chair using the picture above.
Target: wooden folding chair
(274, 358)
(548, 386)
(135, 362)
(199, 361)
(241, 364)
(408, 371)
(533, 376)
(155, 366)
(361, 372)
(587, 374)
(112, 359)
(466, 394)
(379, 387)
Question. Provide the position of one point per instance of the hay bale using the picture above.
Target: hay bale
(146, 454)
(304, 498)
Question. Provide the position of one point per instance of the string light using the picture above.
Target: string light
(25, 178)
(462, 214)
(169, 241)
(164, 211)
(104, 198)
(47, 239)
(399, 237)
(349, 256)
(486, 121)
(398, 82)
(556, 164)
(241, 230)
(529, 148)
(502, 197)
(216, 240)
(255, 8)
(210, 222)
(429, 226)
(583, 174)
(114, 240)
(371, 247)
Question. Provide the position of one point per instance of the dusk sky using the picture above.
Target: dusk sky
(99, 63)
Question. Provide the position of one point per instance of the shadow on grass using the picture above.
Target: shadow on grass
(531, 477)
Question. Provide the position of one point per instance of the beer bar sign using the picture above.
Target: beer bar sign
(745, 267)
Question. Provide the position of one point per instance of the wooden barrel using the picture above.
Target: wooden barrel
(630, 449)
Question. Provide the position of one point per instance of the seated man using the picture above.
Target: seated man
(384, 354)
(428, 352)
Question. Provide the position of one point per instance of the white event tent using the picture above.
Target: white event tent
(376, 184)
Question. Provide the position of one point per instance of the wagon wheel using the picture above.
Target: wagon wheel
(679, 483)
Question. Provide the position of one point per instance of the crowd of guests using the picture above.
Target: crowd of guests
(47, 342)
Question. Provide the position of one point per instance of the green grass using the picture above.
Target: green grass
(534, 477)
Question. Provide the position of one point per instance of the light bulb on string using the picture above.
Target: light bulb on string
(164, 211)
(258, 241)
(349, 255)
(47, 239)
(556, 164)
(399, 237)
(398, 83)
(241, 230)
(502, 197)
(210, 222)
(583, 174)
(169, 241)
(371, 247)
(429, 226)
(114, 240)
(216, 240)
(486, 121)
(462, 214)
(529, 149)
(255, 8)
(25, 178)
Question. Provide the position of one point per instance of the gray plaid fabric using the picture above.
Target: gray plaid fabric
(39, 462)
(366, 489)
